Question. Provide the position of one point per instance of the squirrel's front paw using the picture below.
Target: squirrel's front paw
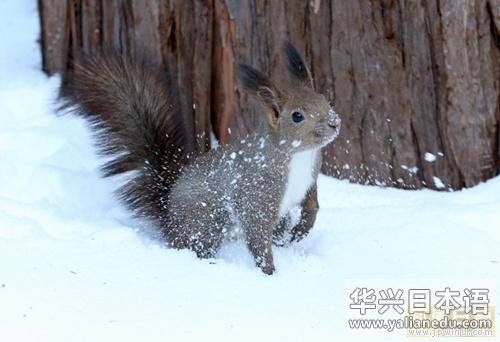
(281, 233)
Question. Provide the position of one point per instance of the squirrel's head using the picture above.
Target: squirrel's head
(299, 117)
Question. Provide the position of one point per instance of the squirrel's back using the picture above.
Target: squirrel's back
(138, 124)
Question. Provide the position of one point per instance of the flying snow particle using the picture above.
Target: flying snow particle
(429, 157)
(438, 182)
(262, 143)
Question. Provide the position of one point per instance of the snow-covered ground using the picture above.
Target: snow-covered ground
(74, 267)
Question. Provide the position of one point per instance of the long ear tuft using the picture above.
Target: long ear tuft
(262, 89)
(251, 78)
(296, 65)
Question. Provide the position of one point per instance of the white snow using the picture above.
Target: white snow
(429, 157)
(74, 267)
(438, 182)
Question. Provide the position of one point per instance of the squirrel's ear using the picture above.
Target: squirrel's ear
(296, 65)
(260, 87)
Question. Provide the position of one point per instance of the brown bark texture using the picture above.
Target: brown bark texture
(408, 77)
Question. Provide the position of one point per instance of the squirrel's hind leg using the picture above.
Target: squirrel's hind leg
(207, 241)
(198, 228)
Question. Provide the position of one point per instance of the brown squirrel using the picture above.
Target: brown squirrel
(196, 201)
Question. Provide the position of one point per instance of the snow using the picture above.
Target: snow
(74, 266)
(438, 182)
(429, 157)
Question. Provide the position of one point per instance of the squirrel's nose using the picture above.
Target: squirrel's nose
(333, 120)
(334, 123)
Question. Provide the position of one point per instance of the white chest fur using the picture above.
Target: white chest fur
(300, 179)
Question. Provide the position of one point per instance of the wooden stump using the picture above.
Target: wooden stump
(415, 82)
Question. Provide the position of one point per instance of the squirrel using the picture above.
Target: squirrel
(195, 201)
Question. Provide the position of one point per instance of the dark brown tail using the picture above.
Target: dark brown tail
(138, 125)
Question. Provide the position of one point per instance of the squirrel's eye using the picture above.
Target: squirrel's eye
(297, 117)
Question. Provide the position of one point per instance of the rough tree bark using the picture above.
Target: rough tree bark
(407, 77)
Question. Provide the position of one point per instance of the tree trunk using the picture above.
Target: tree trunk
(416, 83)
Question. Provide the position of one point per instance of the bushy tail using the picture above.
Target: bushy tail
(138, 125)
